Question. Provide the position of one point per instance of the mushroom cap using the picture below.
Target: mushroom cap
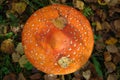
(57, 50)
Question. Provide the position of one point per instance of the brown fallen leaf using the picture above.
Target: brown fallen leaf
(78, 4)
(7, 46)
(102, 14)
(21, 77)
(19, 48)
(10, 76)
(113, 10)
(107, 56)
(1, 1)
(63, 1)
(75, 78)
(106, 26)
(98, 26)
(107, 1)
(19, 7)
(15, 29)
(112, 2)
(90, 1)
(77, 74)
(22, 61)
(110, 66)
(116, 59)
(34, 70)
(50, 77)
(94, 75)
(15, 57)
(111, 41)
(94, 7)
(100, 44)
(117, 27)
(8, 12)
(117, 9)
(96, 78)
(112, 77)
(35, 76)
(112, 48)
(86, 74)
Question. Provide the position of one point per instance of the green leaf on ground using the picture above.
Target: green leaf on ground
(13, 20)
(97, 37)
(5, 70)
(97, 66)
(28, 66)
(9, 35)
(87, 11)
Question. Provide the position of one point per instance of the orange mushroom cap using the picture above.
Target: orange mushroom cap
(57, 39)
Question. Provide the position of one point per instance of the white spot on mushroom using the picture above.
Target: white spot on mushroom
(75, 37)
(31, 51)
(68, 55)
(35, 14)
(77, 21)
(69, 49)
(70, 18)
(84, 25)
(74, 33)
(45, 20)
(70, 32)
(83, 47)
(41, 63)
(71, 26)
(66, 16)
(76, 40)
(82, 28)
(74, 45)
(80, 44)
(71, 42)
(76, 30)
(79, 24)
(33, 25)
(78, 48)
(73, 59)
(36, 54)
(85, 40)
(30, 41)
(56, 64)
(39, 20)
(74, 53)
(36, 44)
(85, 33)
(80, 36)
(28, 34)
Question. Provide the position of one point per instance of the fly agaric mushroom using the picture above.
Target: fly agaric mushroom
(57, 39)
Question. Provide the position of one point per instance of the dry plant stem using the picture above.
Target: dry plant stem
(51, 2)
(62, 77)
